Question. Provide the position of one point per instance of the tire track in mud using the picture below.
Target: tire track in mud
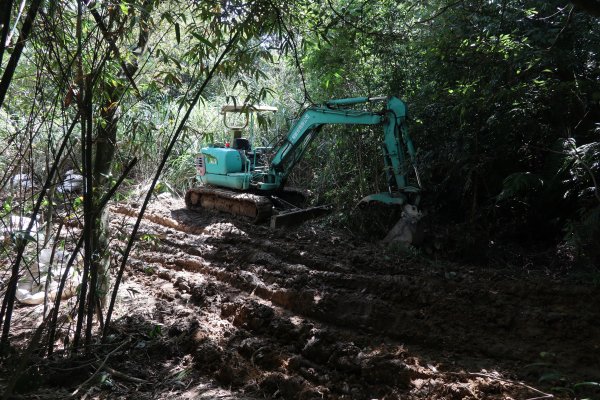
(400, 307)
(344, 289)
(294, 358)
(289, 357)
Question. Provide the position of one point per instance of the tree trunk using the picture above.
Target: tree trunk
(104, 155)
(105, 150)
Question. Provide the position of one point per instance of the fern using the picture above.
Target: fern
(560, 158)
(519, 185)
(584, 170)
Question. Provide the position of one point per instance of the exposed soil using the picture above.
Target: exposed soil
(217, 308)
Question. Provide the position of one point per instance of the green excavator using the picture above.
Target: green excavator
(250, 181)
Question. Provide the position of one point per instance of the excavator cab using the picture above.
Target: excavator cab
(238, 125)
(231, 166)
(242, 131)
(241, 144)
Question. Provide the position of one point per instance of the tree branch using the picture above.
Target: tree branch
(591, 7)
(439, 12)
(5, 24)
(114, 48)
(16, 55)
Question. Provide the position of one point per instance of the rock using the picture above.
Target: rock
(22, 181)
(15, 228)
(407, 230)
(31, 286)
(72, 182)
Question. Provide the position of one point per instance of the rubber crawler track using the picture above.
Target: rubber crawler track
(257, 208)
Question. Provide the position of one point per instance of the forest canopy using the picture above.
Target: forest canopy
(503, 96)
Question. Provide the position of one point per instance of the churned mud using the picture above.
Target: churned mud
(213, 307)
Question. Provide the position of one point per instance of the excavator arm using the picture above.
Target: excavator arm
(397, 147)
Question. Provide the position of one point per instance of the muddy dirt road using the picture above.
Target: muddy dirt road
(215, 308)
(220, 308)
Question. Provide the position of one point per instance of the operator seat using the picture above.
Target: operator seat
(242, 144)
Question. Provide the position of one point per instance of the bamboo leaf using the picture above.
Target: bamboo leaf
(124, 8)
(203, 40)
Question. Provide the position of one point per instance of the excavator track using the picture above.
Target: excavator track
(257, 208)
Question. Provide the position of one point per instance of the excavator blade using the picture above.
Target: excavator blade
(297, 216)
(257, 208)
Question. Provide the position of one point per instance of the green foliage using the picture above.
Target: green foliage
(113, 81)
(565, 190)
(155, 332)
(520, 184)
(503, 98)
(499, 93)
(550, 372)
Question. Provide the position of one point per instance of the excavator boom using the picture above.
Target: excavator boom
(397, 147)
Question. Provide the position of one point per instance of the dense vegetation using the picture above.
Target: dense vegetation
(505, 106)
(504, 99)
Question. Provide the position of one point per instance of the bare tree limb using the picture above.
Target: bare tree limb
(5, 23)
(9, 296)
(102, 203)
(439, 12)
(569, 17)
(295, 51)
(100, 367)
(20, 45)
(14, 28)
(114, 48)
